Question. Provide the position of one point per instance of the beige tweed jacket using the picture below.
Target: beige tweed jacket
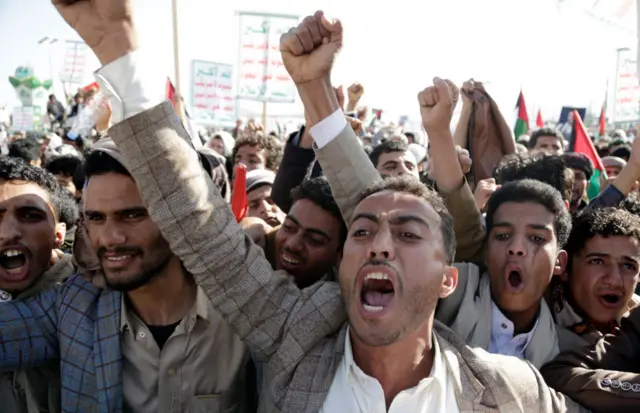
(298, 335)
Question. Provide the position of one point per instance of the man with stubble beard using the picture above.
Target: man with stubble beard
(132, 331)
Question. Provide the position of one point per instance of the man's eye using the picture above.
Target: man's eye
(360, 233)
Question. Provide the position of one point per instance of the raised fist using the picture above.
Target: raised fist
(309, 50)
(467, 90)
(484, 190)
(355, 91)
(106, 26)
(437, 103)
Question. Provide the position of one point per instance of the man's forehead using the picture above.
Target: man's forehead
(111, 190)
(527, 212)
(391, 204)
(15, 189)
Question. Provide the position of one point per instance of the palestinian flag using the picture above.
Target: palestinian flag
(603, 123)
(522, 122)
(581, 143)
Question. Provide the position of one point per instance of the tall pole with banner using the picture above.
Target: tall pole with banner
(261, 73)
(176, 58)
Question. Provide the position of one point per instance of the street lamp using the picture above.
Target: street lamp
(48, 42)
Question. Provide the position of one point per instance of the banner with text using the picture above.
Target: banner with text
(261, 74)
(212, 97)
(627, 89)
(75, 61)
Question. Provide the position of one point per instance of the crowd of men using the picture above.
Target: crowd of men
(370, 273)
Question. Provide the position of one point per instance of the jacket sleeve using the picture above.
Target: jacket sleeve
(294, 168)
(28, 331)
(603, 377)
(348, 170)
(265, 308)
(467, 222)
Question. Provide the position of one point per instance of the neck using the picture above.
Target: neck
(167, 298)
(400, 365)
(523, 321)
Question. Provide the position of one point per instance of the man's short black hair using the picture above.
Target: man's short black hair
(65, 165)
(535, 192)
(27, 149)
(580, 162)
(537, 134)
(386, 147)
(410, 185)
(13, 169)
(98, 162)
(606, 222)
(542, 167)
(318, 191)
(69, 212)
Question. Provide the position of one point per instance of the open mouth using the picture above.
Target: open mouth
(289, 260)
(117, 261)
(515, 280)
(377, 292)
(14, 264)
(610, 300)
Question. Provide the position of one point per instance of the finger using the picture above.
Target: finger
(455, 92)
(313, 25)
(289, 43)
(443, 90)
(333, 26)
(324, 32)
(304, 36)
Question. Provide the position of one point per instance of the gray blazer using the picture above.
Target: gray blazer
(297, 334)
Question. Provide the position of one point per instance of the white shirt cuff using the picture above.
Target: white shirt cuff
(131, 86)
(328, 128)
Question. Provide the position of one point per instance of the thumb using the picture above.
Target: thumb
(333, 26)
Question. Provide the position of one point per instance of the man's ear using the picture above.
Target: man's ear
(449, 281)
(61, 231)
(561, 263)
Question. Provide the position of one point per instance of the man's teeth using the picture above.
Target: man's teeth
(119, 258)
(376, 276)
(372, 308)
(11, 253)
(290, 260)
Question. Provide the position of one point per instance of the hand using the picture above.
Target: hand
(309, 50)
(56, 255)
(464, 158)
(340, 96)
(484, 190)
(103, 121)
(355, 92)
(436, 105)
(257, 230)
(634, 159)
(356, 124)
(467, 91)
(106, 26)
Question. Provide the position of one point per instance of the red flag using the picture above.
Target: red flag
(603, 123)
(581, 143)
(94, 85)
(239, 203)
(539, 121)
(171, 93)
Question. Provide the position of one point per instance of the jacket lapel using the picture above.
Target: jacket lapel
(544, 343)
(471, 393)
(106, 352)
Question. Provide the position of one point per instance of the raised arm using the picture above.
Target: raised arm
(450, 181)
(309, 62)
(264, 308)
(28, 331)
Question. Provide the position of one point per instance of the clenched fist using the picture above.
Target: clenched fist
(484, 190)
(309, 50)
(436, 105)
(355, 91)
(106, 26)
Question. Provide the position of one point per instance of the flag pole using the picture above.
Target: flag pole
(176, 59)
